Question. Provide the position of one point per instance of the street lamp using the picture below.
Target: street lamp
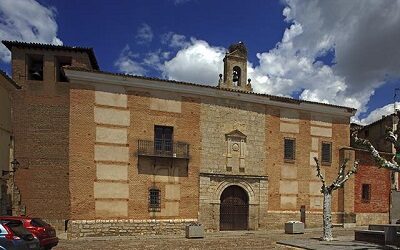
(14, 164)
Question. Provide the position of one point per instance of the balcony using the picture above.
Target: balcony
(166, 149)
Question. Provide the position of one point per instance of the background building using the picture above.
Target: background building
(7, 88)
(110, 153)
(378, 189)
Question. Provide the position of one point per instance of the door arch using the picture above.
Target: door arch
(234, 209)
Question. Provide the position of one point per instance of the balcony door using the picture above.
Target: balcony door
(163, 140)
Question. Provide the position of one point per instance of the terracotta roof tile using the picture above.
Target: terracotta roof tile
(89, 51)
(271, 97)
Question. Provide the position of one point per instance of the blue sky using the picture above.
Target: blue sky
(340, 52)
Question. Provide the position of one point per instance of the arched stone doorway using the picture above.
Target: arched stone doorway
(234, 209)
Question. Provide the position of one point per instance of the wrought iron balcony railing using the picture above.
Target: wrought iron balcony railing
(160, 148)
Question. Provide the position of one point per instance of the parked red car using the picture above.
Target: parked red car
(45, 233)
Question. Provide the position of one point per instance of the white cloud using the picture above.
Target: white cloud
(378, 113)
(26, 20)
(174, 40)
(129, 62)
(198, 62)
(144, 34)
(194, 61)
(126, 63)
(363, 35)
(317, 28)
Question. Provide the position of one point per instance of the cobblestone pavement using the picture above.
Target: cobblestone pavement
(219, 240)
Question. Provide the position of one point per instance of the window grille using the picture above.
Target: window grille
(366, 192)
(289, 149)
(326, 153)
(154, 200)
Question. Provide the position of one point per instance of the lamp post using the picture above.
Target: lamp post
(14, 165)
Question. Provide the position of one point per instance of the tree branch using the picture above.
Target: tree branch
(380, 161)
(342, 168)
(319, 172)
(340, 175)
(390, 136)
(393, 137)
(339, 182)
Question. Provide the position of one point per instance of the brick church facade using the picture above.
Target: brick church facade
(104, 153)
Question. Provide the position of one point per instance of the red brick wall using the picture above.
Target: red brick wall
(378, 178)
(305, 173)
(82, 169)
(186, 129)
(41, 128)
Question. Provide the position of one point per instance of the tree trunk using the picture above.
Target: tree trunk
(327, 215)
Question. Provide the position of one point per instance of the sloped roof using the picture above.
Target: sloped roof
(11, 81)
(390, 116)
(271, 97)
(89, 51)
(236, 133)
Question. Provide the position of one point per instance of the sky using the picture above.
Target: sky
(339, 52)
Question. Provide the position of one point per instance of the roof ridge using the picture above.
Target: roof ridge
(16, 42)
(89, 50)
(272, 97)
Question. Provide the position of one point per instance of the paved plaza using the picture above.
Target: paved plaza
(224, 240)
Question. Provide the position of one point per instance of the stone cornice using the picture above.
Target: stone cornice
(254, 177)
(133, 83)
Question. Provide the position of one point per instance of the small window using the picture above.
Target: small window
(289, 149)
(154, 200)
(326, 153)
(60, 62)
(35, 67)
(366, 193)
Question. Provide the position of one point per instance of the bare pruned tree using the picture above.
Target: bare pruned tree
(392, 137)
(327, 190)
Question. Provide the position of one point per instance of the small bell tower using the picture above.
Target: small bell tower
(235, 69)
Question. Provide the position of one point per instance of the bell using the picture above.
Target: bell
(36, 75)
(235, 77)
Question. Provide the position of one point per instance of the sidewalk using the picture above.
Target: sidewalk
(341, 242)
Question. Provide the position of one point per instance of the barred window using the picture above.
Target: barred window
(366, 193)
(326, 153)
(154, 200)
(289, 149)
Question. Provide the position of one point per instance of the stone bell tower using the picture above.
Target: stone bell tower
(235, 69)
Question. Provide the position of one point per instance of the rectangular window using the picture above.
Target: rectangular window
(154, 200)
(326, 153)
(35, 67)
(289, 149)
(61, 61)
(366, 193)
(163, 139)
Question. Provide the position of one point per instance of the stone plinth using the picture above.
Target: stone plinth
(294, 227)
